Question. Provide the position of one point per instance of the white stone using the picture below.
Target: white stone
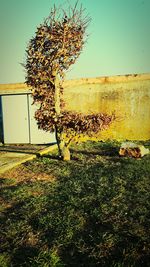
(133, 150)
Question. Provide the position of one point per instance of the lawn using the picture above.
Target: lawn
(91, 211)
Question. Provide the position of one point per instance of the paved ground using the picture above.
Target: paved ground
(13, 155)
(9, 160)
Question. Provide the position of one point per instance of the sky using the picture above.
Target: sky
(118, 43)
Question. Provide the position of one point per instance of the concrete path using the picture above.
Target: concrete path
(9, 160)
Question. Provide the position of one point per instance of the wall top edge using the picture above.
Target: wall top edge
(22, 87)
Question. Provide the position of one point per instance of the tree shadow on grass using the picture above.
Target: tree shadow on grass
(15, 228)
(48, 156)
(90, 230)
(90, 217)
(24, 255)
(101, 151)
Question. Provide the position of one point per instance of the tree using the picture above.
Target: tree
(56, 45)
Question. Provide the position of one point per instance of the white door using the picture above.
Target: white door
(15, 119)
(1, 126)
(38, 136)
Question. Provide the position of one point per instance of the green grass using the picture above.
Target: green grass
(96, 212)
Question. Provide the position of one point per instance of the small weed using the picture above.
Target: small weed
(4, 260)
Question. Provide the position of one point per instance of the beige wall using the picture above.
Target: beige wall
(127, 96)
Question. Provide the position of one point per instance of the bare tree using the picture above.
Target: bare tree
(56, 45)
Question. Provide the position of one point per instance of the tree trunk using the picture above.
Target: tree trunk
(63, 149)
(57, 111)
(65, 153)
(57, 96)
(58, 140)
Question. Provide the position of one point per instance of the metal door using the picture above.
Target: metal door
(38, 136)
(15, 119)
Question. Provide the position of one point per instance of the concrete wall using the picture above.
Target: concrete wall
(127, 96)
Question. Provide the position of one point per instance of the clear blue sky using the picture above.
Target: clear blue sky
(119, 41)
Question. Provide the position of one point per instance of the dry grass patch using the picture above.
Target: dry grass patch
(22, 174)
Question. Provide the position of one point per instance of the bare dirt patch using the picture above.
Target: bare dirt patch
(21, 174)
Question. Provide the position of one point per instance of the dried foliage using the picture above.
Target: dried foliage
(74, 123)
(56, 45)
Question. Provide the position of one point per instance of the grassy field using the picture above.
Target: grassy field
(91, 211)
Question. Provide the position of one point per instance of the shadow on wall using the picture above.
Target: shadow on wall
(1, 122)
